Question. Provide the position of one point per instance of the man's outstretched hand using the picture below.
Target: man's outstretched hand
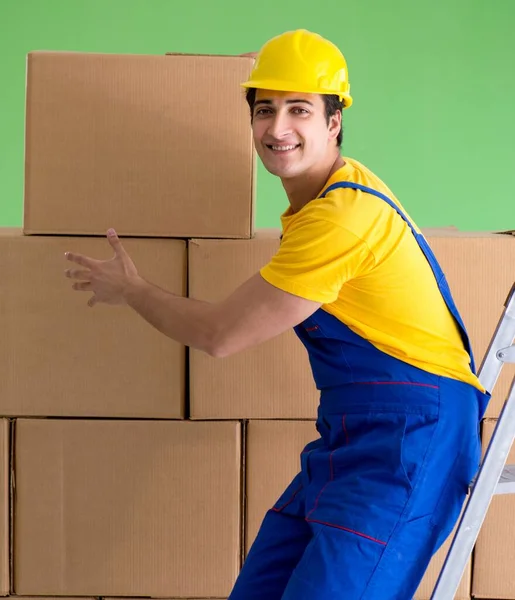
(109, 280)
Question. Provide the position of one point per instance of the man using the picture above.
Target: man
(400, 403)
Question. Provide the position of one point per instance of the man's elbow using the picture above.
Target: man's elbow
(224, 343)
(218, 351)
(218, 346)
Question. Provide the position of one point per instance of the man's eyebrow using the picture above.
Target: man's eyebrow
(297, 100)
(292, 101)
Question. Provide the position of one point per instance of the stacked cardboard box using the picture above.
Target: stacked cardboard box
(149, 145)
(60, 358)
(270, 381)
(114, 492)
(153, 466)
(128, 508)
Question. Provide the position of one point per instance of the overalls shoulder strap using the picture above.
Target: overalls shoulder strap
(441, 281)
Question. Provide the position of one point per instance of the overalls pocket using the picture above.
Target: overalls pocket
(362, 479)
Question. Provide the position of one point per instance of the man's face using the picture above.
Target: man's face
(291, 133)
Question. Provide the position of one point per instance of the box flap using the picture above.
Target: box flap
(246, 56)
(273, 233)
(11, 231)
(457, 233)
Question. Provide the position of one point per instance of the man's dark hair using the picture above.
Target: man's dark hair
(332, 104)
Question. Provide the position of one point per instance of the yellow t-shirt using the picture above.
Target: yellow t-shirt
(352, 252)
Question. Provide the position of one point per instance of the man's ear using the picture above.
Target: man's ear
(335, 124)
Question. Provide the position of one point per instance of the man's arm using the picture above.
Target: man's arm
(255, 312)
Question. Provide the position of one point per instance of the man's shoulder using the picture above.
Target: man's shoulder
(348, 206)
(356, 173)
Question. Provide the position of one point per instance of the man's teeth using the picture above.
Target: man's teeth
(284, 148)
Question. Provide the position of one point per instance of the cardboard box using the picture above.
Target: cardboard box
(4, 507)
(149, 145)
(480, 270)
(58, 357)
(274, 380)
(272, 460)
(270, 381)
(127, 508)
(494, 554)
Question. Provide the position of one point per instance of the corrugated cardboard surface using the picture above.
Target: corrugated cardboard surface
(272, 460)
(480, 271)
(127, 508)
(494, 555)
(4, 507)
(270, 381)
(60, 357)
(149, 145)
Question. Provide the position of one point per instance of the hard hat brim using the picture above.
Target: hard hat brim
(286, 86)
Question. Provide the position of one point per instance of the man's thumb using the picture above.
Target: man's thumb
(114, 240)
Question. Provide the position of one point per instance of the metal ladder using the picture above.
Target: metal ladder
(493, 477)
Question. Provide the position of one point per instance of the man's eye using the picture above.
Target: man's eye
(300, 111)
(263, 111)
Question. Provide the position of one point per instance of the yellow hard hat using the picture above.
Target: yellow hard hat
(301, 61)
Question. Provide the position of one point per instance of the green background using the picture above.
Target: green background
(432, 81)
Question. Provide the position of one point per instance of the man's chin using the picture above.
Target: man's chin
(282, 173)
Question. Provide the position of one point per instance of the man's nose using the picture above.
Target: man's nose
(280, 126)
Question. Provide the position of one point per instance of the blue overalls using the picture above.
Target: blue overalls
(384, 484)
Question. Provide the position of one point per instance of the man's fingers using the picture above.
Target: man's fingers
(114, 240)
(82, 286)
(80, 259)
(92, 301)
(78, 274)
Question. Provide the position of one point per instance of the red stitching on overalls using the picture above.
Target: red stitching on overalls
(312, 328)
(346, 529)
(396, 383)
(280, 508)
(331, 478)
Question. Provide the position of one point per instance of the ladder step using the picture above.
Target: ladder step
(506, 483)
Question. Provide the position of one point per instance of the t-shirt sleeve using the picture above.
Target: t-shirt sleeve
(316, 258)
